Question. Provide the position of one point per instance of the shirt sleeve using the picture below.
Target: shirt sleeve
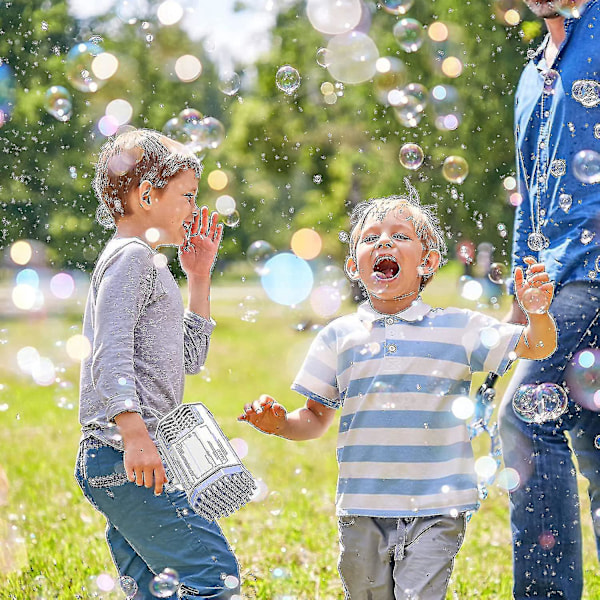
(122, 293)
(490, 344)
(196, 338)
(317, 378)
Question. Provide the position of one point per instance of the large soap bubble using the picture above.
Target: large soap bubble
(258, 253)
(334, 17)
(540, 403)
(288, 279)
(58, 103)
(165, 584)
(583, 378)
(78, 67)
(411, 156)
(352, 57)
(210, 133)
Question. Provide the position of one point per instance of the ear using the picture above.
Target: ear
(144, 194)
(351, 269)
(431, 263)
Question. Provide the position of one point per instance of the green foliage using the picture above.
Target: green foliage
(293, 161)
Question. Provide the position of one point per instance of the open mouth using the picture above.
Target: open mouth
(386, 268)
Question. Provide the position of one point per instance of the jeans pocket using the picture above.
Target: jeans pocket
(103, 467)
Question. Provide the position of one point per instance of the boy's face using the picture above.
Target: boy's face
(390, 261)
(174, 207)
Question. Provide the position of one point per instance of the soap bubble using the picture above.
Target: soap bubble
(335, 277)
(7, 92)
(497, 273)
(258, 253)
(409, 34)
(409, 104)
(58, 103)
(445, 105)
(325, 300)
(248, 309)
(455, 169)
(541, 403)
(232, 219)
(287, 79)
(229, 83)
(534, 300)
(165, 584)
(524, 402)
(390, 75)
(583, 378)
(323, 57)
(225, 205)
(78, 67)
(552, 402)
(396, 7)
(173, 129)
(334, 17)
(352, 57)
(288, 279)
(129, 11)
(565, 201)
(411, 156)
(210, 133)
(586, 166)
(571, 9)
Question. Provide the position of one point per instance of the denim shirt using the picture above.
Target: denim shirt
(551, 126)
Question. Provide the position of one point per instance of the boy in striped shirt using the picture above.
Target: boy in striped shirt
(394, 368)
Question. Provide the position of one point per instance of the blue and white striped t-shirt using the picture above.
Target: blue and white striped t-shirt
(401, 451)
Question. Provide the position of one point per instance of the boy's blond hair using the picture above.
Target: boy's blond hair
(130, 158)
(426, 224)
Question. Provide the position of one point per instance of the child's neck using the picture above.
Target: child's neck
(393, 305)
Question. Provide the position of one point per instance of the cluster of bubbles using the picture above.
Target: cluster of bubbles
(196, 132)
(540, 403)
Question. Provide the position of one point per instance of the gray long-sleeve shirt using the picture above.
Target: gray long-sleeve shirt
(143, 342)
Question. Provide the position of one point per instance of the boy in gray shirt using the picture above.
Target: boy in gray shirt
(142, 345)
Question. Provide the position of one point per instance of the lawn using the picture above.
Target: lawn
(51, 540)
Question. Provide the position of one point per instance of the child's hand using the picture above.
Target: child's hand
(533, 290)
(143, 465)
(265, 414)
(198, 253)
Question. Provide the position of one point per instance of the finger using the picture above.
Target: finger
(214, 219)
(242, 418)
(139, 478)
(219, 235)
(548, 288)
(536, 268)
(278, 410)
(519, 277)
(195, 223)
(160, 478)
(257, 407)
(266, 401)
(148, 478)
(203, 220)
(539, 278)
(529, 260)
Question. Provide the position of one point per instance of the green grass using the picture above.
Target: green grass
(51, 540)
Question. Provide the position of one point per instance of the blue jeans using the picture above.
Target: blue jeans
(148, 533)
(544, 509)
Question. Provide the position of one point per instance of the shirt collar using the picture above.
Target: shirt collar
(415, 312)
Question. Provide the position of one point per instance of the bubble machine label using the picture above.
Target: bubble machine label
(199, 458)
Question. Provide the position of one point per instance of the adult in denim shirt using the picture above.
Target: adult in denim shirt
(557, 116)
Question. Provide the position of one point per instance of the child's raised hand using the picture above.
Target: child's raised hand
(265, 414)
(533, 289)
(199, 252)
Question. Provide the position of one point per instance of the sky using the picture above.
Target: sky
(231, 37)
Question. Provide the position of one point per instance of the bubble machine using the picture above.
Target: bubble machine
(199, 458)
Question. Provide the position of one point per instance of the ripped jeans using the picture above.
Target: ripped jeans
(147, 534)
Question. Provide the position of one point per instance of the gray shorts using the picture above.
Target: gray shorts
(398, 558)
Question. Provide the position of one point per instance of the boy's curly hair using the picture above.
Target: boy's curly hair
(130, 158)
(426, 223)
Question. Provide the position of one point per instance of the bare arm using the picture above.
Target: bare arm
(306, 423)
(142, 460)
